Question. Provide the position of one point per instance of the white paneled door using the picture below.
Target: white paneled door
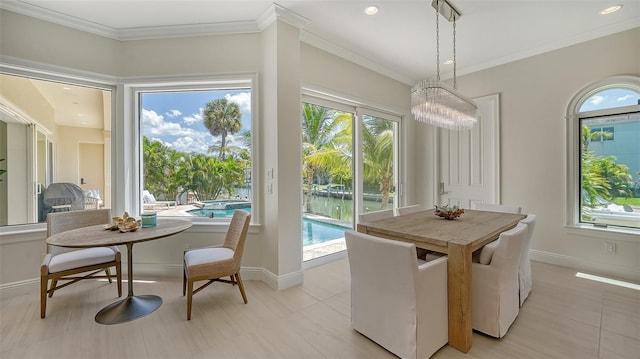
(469, 168)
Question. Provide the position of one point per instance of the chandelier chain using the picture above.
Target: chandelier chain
(455, 63)
(434, 102)
(438, 42)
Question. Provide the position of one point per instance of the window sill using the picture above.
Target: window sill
(199, 226)
(612, 232)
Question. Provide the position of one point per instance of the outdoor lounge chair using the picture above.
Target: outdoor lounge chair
(149, 202)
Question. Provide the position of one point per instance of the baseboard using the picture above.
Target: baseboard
(141, 270)
(323, 260)
(613, 270)
(23, 287)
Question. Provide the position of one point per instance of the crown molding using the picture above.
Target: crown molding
(58, 18)
(273, 13)
(279, 12)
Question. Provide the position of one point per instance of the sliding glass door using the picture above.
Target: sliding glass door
(349, 166)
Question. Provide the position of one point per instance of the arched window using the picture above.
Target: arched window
(604, 155)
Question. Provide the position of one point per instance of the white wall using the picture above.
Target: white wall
(273, 251)
(534, 95)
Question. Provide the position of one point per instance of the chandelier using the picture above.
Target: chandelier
(434, 102)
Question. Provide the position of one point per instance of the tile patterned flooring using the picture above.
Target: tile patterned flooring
(564, 317)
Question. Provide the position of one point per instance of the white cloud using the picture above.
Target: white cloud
(173, 113)
(196, 117)
(151, 118)
(186, 139)
(189, 145)
(596, 100)
(243, 100)
(623, 98)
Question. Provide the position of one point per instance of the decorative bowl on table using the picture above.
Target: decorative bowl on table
(448, 212)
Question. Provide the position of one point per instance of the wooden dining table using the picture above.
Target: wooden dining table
(133, 306)
(457, 238)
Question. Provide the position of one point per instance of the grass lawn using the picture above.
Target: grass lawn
(627, 200)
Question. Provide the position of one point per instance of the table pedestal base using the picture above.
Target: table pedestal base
(130, 308)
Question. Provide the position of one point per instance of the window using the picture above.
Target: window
(606, 129)
(600, 134)
(55, 137)
(196, 155)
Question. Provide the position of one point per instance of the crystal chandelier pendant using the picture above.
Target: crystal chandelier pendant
(434, 102)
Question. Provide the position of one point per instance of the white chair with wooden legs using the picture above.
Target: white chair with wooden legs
(495, 286)
(397, 300)
(214, 263)
(66, 264)
(524, 272)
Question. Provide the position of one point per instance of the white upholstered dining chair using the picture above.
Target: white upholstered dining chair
(374, 216)
(497, 208)
(495, 285)
(524, 271)
(397, 300)
(214, 263)
(70, 264)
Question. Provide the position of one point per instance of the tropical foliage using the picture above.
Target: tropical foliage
(602, 178)
(326, 146)
(222, 118)
(377, 143)
(169, 173)
(327, 151)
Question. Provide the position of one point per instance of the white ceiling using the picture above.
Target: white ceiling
(399, 41)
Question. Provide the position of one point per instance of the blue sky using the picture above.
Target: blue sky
(175, 118)
(610, 98)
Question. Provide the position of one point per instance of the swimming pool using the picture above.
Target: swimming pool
(313, 231)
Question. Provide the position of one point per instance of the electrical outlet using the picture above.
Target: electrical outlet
(610, 247)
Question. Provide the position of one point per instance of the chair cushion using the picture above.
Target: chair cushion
(487, 252)
(148, 197)
(207, 255)
(81, 258)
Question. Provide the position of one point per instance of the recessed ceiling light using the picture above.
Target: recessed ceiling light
(371, 10)
(448, 62)
(611, 9)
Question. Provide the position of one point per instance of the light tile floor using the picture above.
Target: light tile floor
(564, 317)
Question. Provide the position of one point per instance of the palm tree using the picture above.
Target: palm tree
(160, 164)
(588, 136)
(222, 118)
(377, 146)
(323, 145)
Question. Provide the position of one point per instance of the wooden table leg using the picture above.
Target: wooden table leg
(459, 288)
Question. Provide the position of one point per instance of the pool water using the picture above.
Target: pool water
(215, 213)
(313, 231)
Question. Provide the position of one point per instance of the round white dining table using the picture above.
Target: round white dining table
(133, 306)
